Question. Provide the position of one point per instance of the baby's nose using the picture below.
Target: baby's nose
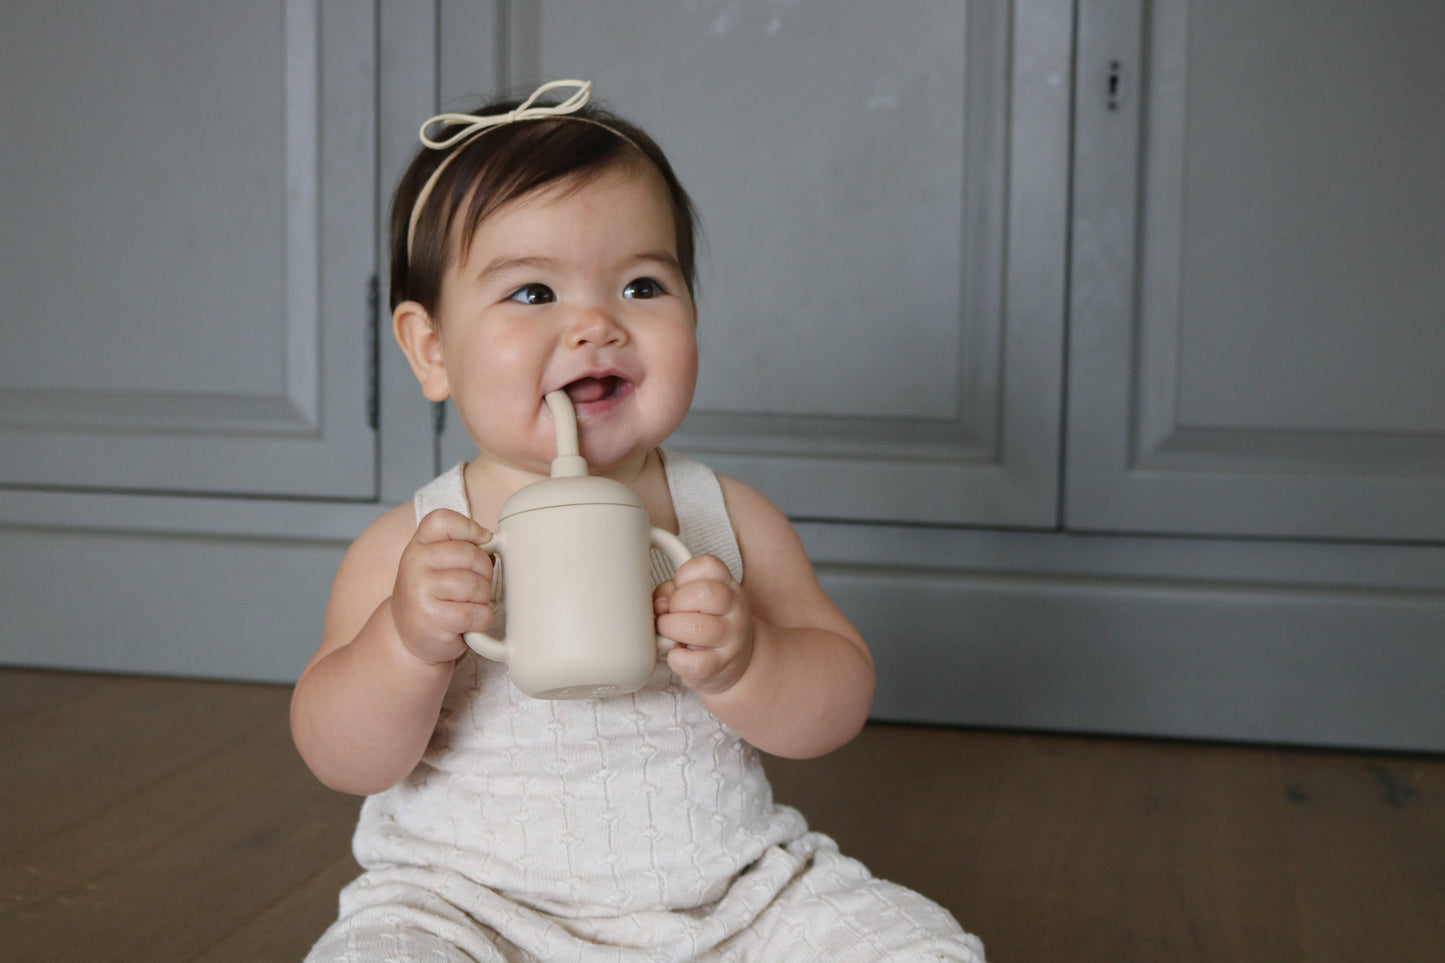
(595, 326)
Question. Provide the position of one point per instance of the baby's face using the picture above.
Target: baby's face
(576, 288)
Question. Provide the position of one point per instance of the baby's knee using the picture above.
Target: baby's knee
(867, 921)
(384, 934)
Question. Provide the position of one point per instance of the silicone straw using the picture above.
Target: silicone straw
(569, 462)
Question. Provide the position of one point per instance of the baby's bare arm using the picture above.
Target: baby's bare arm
(365, 707)
(773, 658)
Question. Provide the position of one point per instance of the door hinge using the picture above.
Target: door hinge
(373, 353)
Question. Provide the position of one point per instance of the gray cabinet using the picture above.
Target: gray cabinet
(1091, 345)
(187, 213)
(884, 202)
(1258, 270)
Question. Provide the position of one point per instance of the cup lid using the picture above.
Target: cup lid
(581, 490)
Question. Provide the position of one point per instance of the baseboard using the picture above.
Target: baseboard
(1282, 643)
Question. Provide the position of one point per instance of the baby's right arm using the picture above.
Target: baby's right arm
(365, 706)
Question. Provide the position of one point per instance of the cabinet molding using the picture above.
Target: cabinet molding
(1254, 327)
(205, 240)
(884, 199)
(1311, 644)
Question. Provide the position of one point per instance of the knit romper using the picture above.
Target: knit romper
(629, 829)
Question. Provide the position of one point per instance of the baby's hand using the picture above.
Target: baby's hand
(443, 585)
(704, 611)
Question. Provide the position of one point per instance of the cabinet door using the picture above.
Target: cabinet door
(883, 199)
(1256, 335)
(187, 212)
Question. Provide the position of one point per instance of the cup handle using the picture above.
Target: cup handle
(674, 549)
(480, 642)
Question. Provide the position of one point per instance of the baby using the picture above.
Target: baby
(536, 248)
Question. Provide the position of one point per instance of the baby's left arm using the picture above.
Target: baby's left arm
(773, 657)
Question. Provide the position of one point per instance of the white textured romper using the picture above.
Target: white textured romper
(636, 828)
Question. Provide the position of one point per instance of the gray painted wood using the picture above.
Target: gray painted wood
(169, 604)
(1255, 318)
(187, 223)
(1155, 659)
(1307, 643)
(1276, 641)
(883, 193)
(1304, 640)
(408, 54)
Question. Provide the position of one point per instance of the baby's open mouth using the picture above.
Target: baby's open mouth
(585, 390)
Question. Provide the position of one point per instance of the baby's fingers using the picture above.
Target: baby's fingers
(444, 524)
(692, 629)
(708, 597)
(461, 585)
(702, 568)
(456, 554)
(662, 597)
(694, 666)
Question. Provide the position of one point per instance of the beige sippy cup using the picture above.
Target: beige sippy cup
(576, 580)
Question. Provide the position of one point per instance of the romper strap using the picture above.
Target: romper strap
(702, 515)
(447, 490)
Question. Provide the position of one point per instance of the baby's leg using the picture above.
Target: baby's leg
(399, 921)
(835, 910)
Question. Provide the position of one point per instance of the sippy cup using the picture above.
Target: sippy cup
(576, 580)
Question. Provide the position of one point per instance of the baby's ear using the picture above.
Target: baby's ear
(420, 341)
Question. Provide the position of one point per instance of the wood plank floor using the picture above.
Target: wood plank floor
(153, 820)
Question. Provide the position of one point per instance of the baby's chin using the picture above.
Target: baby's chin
(610, 461)
(609, 451)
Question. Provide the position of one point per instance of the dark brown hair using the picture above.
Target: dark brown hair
(506, 163)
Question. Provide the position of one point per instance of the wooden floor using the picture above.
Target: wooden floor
(154, 820)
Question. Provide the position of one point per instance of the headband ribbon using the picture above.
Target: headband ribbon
(473, 126)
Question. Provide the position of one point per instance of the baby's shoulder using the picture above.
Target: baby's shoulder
(396, 524)
(379, 547)
(773, 556)
(365, 576)
(745, 504)
(758, 524)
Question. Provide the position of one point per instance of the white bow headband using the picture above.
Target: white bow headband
(473, 127)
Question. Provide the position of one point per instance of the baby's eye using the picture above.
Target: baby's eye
(532, 294)
(643, 288)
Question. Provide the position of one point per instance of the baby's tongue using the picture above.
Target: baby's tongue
(584, 390)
